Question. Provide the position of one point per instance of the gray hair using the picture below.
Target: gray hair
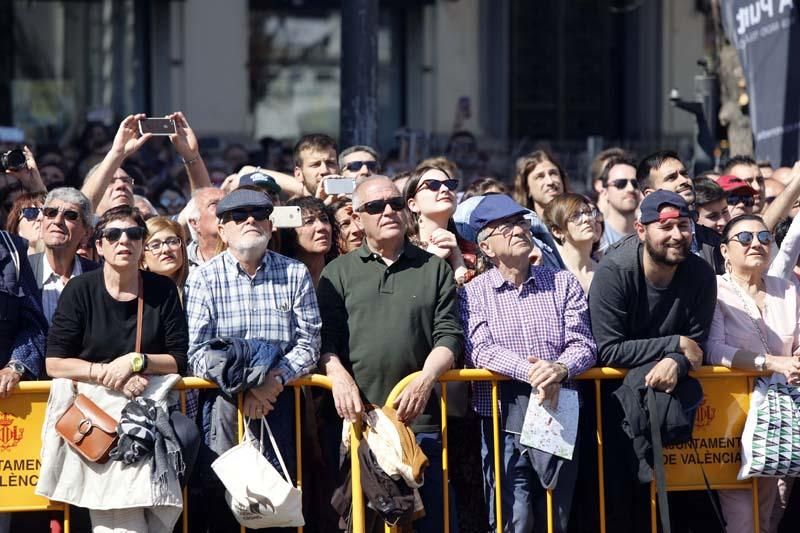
(73, 196)
(148, 203)
(357, 148)
(360, 184)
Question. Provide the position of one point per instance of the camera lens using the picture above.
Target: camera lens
(14, 160)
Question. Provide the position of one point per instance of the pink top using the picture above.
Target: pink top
(732, 330)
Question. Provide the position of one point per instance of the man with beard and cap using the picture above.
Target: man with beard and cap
(664, 171)
(651, 302)
(262, 304)
(530, 323)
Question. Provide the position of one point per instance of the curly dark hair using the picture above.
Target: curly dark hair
(309, 206)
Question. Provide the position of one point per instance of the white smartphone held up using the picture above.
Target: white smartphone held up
(339, 185)
(284, 216)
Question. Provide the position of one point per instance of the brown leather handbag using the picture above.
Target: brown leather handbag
(89, 430)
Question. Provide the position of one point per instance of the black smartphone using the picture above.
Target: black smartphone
(157, 126)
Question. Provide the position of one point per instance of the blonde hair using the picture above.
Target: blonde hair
(156, 224)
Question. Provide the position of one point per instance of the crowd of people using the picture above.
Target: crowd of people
(422, 271)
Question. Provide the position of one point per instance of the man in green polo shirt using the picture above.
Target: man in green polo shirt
(388, 310)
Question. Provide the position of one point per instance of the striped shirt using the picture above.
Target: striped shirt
(277, 305)
(546, 317)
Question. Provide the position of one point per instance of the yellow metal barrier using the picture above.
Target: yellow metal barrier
(22, 417)
(719, 478)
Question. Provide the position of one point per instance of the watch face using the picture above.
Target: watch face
(17, 367)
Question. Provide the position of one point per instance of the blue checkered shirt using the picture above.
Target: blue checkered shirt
(546, 317)
(278, 305)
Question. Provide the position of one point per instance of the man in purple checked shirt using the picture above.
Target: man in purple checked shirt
(530, 323)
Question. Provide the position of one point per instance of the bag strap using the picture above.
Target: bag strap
(717, 511)
(747, 311)
(275, 448)
(139, 314)
(658, 461)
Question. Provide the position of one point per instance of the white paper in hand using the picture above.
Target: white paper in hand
(549, 430)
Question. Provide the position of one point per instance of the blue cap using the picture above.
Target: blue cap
(260, 179)
(654, 202)
(243, 197)
(493, 207)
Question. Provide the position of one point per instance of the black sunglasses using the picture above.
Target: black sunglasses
(435, 185)
(745, 238)
(622, 184)
(52, 212)
(30, 213)
(355, 166)
(134, 233)
(259, 214)
(747, 201)
(376, 207)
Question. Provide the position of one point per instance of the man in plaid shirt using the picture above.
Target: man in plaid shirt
(250, 293)
(532, 324)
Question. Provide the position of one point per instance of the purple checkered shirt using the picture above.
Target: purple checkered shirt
(546, 317)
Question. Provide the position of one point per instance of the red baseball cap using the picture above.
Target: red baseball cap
(734, 184)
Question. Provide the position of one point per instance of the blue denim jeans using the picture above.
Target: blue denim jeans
(432, 492)
(523, 498)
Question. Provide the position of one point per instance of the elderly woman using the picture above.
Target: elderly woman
(25, 220)
(571, 219)
(312, 242)
(92, 349)
(430, 195)
(165, 250)
(755, 327)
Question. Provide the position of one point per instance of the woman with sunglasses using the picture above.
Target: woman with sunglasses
(25, 220)
(755, 327)
(165, 250)
(572, 220)
(92, 345)
(313, 242)
(430, 195)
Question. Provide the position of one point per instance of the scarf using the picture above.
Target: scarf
(145, 429)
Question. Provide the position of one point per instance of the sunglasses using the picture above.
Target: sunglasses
(259, 214)
(745, 238)
(355, 166)
(747, 201)
(30, 213)
(435, 185)
(623, 184)
(52, 212)
(134, 233)
(376, 207)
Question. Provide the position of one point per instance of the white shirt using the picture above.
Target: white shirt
(52, 286)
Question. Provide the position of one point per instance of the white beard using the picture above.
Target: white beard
(251, 248)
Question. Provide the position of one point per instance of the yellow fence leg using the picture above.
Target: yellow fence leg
(498, 497)
(240, 423)
(601, 479)
(445, 472)
(756, 509)
(67, 521)
(653, 510)
(355, 474)
(186, 488)
(550, 524)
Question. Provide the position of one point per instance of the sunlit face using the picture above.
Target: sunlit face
(669, 240)
(747, 256)
(386, 225)
(206, 223)
(60, 227)
(751, 175)
(622, 189)
(714, 215)
(30, 226)
(362, 160)
(545, 183)
(507, 241)
(248, 238)
(581, 225)
(350, 236)
(163, 252)
(119, 191)
(314, 236)
(316, 165)
(124, 253)
(433, 195)
(673, 176)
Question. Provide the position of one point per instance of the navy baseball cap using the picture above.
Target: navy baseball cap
(260, 179)
(244, 196)
(654, 202)
(493, 207)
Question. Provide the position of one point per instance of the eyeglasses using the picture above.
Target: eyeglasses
(747, 201)
(170, 242)
(123, 179)
(259, 214)
(745, 238)
(134, 233)
(69, 214)
(591, 214)
(30, 213)
(507, 228)
(435, 185)
(355, 166)
(623, 184)
(376, 207)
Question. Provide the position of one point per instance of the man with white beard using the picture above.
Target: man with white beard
(254, 326)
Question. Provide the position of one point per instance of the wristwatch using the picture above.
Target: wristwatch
(760, 362)
(17, 367)
(137, 363)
